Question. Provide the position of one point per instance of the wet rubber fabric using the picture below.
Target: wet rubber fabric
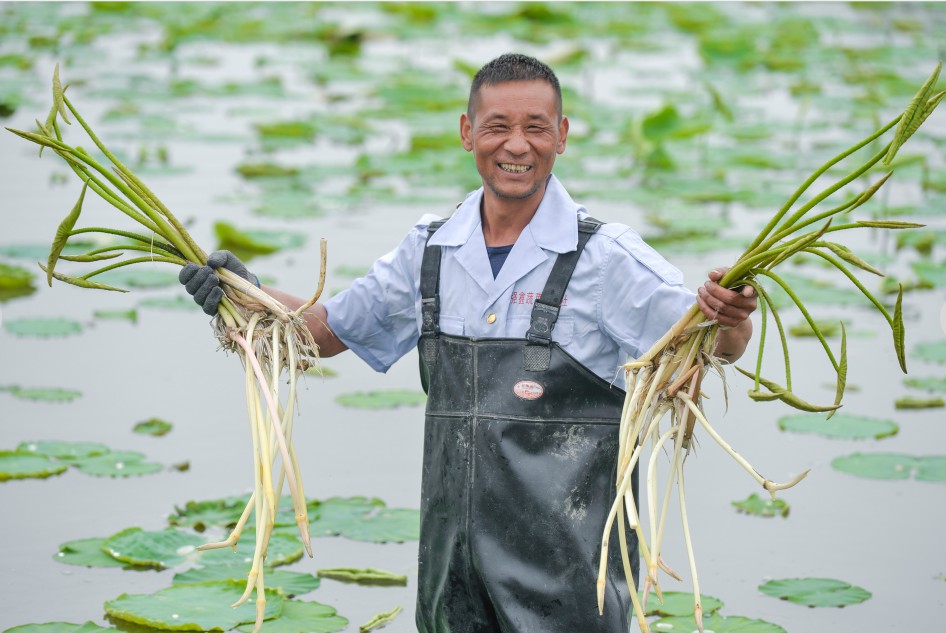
(519, 460)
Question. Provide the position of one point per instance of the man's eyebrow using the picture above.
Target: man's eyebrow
(498, 116)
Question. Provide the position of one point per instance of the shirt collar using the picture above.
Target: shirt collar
(554, 226)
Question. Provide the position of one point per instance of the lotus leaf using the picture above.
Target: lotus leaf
(287, 202)
(24, 465)
(59, 627)
(756, 505)
(14, 277)
(176, 302)
(117, 464)
(934, 351)
(86, 552)
(841, 425)
(678, 603)
(379, 621)
(932, 274)
(283, 549)
(815, 592)
(291, 583)
(303, 617)
(200, 607)
(382, 399)
(910, 402)
(161, 549)
(51, 394)
(130, 315)
(66, 451)
(366, 576)
(153, 426)
(256, 241)
(929, 383)
(139, 277)
(892, 466)
(203, 514)
(43, 327)
(717, 624)
(252, 171)
(362, 519)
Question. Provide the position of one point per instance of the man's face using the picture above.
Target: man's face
(514, 135)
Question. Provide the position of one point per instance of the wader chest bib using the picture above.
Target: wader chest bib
(520, 444)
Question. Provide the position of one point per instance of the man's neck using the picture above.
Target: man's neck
(504, 219)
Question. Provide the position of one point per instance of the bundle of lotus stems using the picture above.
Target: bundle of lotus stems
(270, 340)
(667, 378)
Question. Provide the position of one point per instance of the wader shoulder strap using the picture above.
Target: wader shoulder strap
(545, 310)
(430, 303)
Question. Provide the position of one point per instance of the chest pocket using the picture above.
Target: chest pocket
(562, 333)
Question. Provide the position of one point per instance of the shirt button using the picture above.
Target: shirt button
(491, 318)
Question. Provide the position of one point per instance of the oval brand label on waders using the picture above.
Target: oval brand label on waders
(528, 390)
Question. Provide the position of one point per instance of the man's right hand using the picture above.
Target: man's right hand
(202, 282)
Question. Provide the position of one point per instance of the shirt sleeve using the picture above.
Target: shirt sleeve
(642, 294)
(378, 316)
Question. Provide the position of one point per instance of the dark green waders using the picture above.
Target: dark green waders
(520, 447)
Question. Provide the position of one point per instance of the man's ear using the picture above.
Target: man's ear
(466, 132)
(563, 135)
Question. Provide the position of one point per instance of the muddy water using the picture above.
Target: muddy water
(883, 536)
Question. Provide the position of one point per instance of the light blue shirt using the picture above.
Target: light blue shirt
(622, 297)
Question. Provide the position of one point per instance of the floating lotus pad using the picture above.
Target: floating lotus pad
(930, 383)
(892, 466)
(42, 327)
(25, 465)
(911, 402)
(302, 617)
(932, 351)
(117, 464)
(841, 425)
(226, 512)
(260, 242)
(176, 302)
(382, 399)
(41, 394)
(86, 552)
(717, 624)
(679, 604)
(365, 576)
(757, 506)
(153, 426)
(158, 549)
(283, 549)
(291, 583)
(129, 315)
(815, 592)
(362, 519)
(14, 277)
(59, 627)
(200, 607)
(66, 451)
(139, 277)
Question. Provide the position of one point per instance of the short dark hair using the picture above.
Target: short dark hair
(513, 67)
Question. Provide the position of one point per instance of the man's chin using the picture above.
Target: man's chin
(506, 194)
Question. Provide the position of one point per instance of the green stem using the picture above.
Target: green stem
(136, 260)
(138, 237)
(804, 311)
(811, 179)
(854, 280)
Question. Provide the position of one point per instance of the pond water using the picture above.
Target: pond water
(884, 536)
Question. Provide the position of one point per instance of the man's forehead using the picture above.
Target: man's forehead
(534, 99)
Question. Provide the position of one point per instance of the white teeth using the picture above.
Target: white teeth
(517, 169)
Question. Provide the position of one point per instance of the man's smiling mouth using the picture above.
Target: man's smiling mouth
(514, 169)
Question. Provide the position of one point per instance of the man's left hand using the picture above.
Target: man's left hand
(727, 307)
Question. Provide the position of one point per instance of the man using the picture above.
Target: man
(523, 310)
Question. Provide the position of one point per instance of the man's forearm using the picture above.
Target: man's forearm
(730, 344)
(316, 319)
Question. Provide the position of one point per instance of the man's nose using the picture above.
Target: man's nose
(516, 142)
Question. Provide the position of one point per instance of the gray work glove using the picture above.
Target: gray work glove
(204, 285)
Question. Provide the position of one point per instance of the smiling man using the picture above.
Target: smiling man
(523, 309)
